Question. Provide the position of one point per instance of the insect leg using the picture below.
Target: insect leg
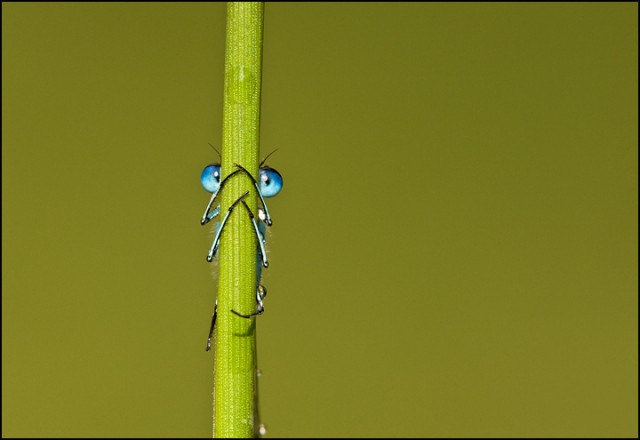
(209, 215)
(216, 241)
(265, 263)
(255, 183)
(213, 324)
(261, 292)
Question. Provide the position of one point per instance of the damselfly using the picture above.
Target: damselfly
(268, 184)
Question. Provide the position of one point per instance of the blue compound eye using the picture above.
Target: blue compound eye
(210, 177)
(270, 182)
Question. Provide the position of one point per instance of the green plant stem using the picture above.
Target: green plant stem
(235, 406)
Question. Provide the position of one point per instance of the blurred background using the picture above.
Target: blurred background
(454, 252)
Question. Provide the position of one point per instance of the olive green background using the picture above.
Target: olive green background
(454, 252)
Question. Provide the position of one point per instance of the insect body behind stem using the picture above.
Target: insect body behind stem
(269, 184)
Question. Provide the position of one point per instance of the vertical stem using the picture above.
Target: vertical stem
(235, 370)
